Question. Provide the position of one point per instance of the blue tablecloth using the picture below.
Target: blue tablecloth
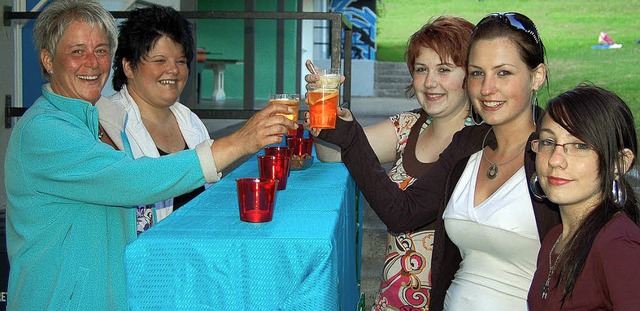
(202, 257)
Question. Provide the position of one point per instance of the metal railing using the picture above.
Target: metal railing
(339, 24)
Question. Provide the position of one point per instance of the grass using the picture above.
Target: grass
(568, 29)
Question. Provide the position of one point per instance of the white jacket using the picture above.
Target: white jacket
(140, 141)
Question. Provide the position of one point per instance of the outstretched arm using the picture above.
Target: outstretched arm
(419, 204)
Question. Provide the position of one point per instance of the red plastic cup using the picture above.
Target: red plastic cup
(275, 168)
(300, 131)
(278, 151)
(291, 142)
(300, 146)
(256, 198)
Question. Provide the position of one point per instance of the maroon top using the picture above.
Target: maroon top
(610, 278)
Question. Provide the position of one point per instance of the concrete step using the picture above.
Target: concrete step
(390, 93)
(391, 78)
(391, 66)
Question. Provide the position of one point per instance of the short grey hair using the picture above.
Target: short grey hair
(56, 17)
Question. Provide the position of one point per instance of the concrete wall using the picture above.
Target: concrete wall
(362, 75)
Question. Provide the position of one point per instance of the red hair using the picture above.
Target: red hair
(448, 36)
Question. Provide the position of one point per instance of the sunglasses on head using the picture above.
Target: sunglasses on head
(515, 20)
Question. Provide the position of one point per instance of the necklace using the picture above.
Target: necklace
(545, 286)
(100, 132)
(492, 172)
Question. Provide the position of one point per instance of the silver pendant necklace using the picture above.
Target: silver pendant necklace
(492, 172)
(545, 286)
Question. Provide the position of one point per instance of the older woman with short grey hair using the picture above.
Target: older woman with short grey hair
(70, 195)
(52, 23)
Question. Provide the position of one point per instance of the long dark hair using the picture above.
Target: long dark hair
(524, 35)
(605, 123)
(140, 33)
(521, 30)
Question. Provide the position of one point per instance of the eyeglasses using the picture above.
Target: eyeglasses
(547, 146)
(515, 20)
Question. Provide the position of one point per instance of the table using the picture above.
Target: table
(202, 257)
(217, 65)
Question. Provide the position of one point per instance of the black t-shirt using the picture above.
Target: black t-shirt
(186, 197)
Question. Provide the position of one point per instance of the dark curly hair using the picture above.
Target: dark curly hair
(142, 30)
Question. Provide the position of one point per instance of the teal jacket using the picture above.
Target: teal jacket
(69, 212)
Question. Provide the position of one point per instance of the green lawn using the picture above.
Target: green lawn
(568, 29)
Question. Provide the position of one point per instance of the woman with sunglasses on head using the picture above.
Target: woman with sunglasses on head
(587, 142)
(436, 57)
(487, 226)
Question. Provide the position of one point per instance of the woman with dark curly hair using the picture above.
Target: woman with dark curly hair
(151, 66)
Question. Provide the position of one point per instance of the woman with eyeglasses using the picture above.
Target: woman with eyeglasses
(587, 142)
(488, 227)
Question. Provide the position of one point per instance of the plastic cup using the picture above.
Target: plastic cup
(299, 131)
(278, 151)
(300, 146)
(291, 100)
(275, 168)
(323, 100)
(256, 198)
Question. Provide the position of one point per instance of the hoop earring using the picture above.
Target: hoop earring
(534, 187)
(619, 195)
(534, 105)
(475, 117)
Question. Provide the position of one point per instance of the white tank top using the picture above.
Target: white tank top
(498, 241)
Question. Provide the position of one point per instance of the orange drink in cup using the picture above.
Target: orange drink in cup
(323, 100)
(290, 100)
